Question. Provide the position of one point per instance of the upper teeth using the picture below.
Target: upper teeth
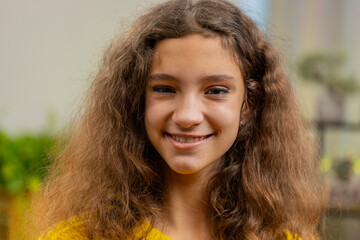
(187, 139)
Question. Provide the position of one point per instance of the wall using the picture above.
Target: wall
(48, 52)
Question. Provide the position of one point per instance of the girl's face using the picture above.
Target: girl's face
(193, 102)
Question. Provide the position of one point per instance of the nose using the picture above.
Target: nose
(188, 112)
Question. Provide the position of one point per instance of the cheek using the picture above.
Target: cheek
(231, 125)
(155, 115)
(148, 115)
(227, 117)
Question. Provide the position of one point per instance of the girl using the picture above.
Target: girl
(190, 131)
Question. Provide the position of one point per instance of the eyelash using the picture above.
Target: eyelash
(217, 91)
(164, 89)
(213, 91)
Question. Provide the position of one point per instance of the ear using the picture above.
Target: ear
(245, 113)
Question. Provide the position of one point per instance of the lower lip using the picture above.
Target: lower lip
(189, 145)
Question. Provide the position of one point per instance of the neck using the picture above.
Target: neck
(186, 192)
(185, 212)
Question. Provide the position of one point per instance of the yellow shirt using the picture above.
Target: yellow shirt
(73, 228)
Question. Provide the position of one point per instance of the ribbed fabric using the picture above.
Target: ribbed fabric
(74, 229)
(290, 236)
(69, 229)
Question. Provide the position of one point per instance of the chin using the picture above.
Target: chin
(190, 166)
(184, 170)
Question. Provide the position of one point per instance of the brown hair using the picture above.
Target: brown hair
(268, 180)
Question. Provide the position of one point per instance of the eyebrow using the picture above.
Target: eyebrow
(161, 76)
(209, 78)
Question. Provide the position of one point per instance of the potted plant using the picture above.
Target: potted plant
(327, 69)
(23, 164)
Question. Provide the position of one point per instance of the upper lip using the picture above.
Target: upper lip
(189, 135)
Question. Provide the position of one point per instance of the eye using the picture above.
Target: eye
(217, 91)
(164, 89)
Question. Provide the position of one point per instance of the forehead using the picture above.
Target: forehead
(193, 53)
(199, 42)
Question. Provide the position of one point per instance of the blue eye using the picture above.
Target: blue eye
(164, 89)
(217, 91)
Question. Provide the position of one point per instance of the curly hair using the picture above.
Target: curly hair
(268, 181)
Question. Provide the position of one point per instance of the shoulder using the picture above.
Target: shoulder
(72, 228)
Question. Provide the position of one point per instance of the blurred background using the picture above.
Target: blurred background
(49, 52)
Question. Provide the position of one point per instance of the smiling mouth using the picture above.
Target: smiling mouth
(188, 139)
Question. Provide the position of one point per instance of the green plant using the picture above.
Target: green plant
(23, 162)
(328, 70)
